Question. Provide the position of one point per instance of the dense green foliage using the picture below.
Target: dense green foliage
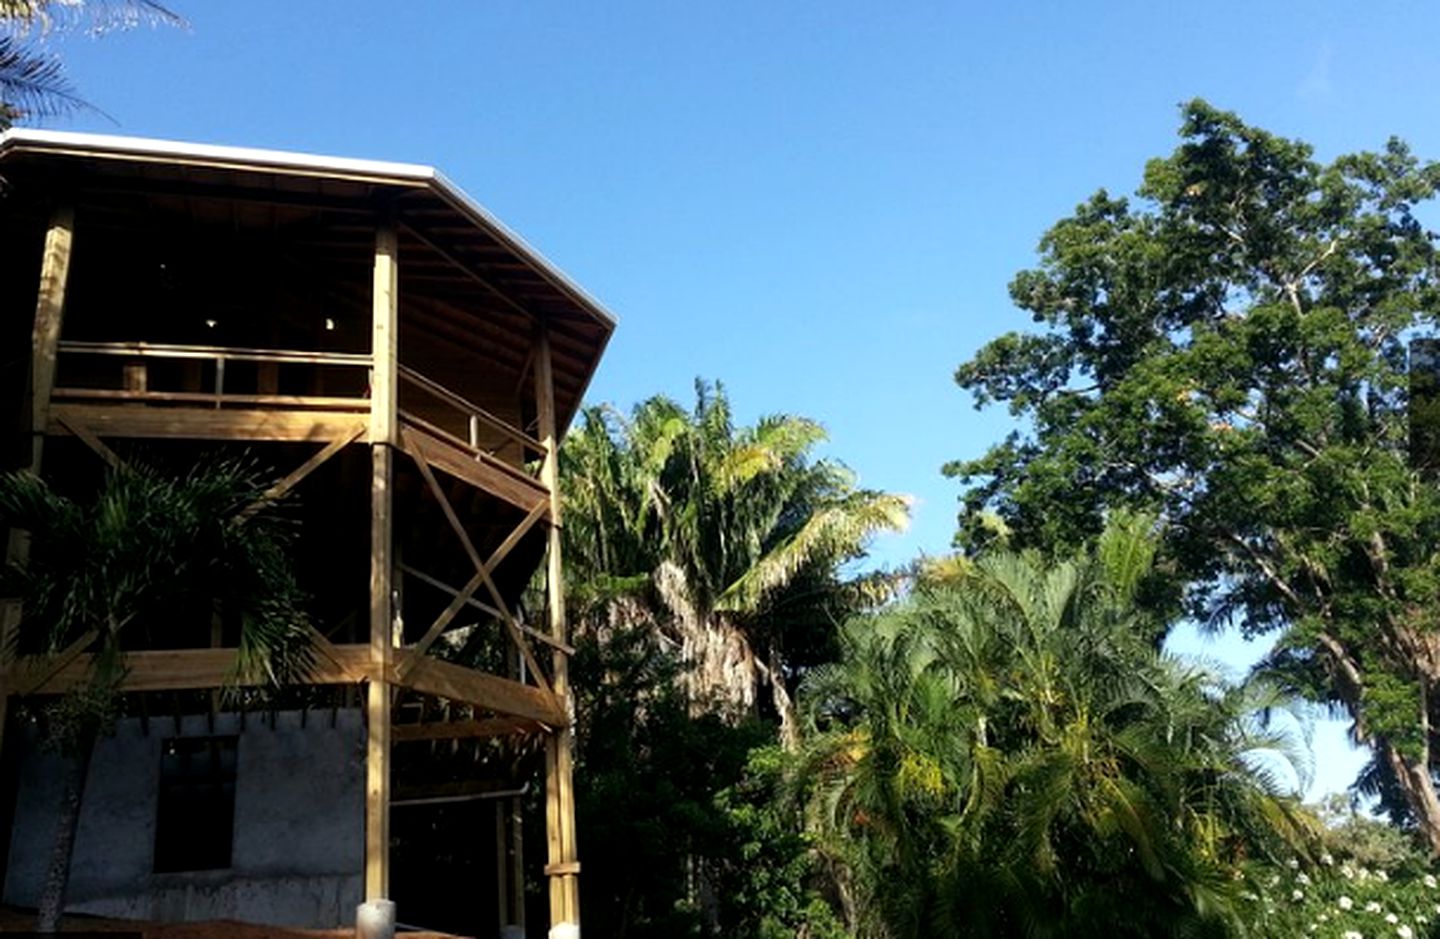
(1230, 353)
(728, 542)
(683, 831)
(1008, 755)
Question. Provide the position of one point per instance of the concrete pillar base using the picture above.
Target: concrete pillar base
(565, 931)
(375, 919)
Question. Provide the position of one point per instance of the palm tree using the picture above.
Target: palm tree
(729, 541)
(32, 82)
(145, 562)
(1010, 755)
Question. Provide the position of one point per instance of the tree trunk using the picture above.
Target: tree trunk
(57, 876)
(1414, 779)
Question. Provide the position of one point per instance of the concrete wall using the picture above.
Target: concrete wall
(299, 825)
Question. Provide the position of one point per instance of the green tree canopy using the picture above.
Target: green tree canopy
(1229, 351)
(1008, 755)
(728, 541)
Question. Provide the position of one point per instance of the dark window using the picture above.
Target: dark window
(195, 824)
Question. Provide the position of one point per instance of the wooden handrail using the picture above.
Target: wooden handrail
(163, 351)
(469, 408)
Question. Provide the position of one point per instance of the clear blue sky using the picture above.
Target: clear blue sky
(820, 204)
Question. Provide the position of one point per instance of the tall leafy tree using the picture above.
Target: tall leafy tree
(1229, 351)
(147, 560)
(1007, 754)
(728, 541)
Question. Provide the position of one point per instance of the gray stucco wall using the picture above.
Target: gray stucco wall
(299, 825)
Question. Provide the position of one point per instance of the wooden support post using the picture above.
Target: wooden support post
(564, 867)
(45, 341)
(383, 437)
(49, 315)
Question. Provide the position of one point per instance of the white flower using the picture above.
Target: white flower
(1347, 872)
(1302, 879)
(1345, 902)
(1352, 934)
(1293, 864)
(1297, 895)
(1327, 860)
(1322, 918)
(1430, 881)
(1404, 933)
(1372, 907)
(1382, 876)
(1391, 918)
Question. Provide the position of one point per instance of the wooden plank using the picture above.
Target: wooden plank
(464, 730)
(294, 478)
(40, 669)
(482, 472)
(203, 423)
(93, 442)
(467, 407)
(236, 353)
(292, 402)
(190, 669)
(500, 695)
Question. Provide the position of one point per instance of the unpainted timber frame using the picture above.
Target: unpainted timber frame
(381, 662)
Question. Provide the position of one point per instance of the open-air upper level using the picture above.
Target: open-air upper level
(229, 291)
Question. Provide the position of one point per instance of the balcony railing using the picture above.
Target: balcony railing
(230, 377)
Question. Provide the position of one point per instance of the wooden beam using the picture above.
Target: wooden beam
(41, 669)
(383, 437)
(500, 695)
(91, 441)
(464, 730)
(480, 470)
(203, 423)
(186, 670)
(294, 478)
(480, 570)
(49, 315)
(466, 594)
(563, 869)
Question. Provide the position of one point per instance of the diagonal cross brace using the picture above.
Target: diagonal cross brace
(481, 569)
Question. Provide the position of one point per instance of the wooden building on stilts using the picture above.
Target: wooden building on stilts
(405, 366)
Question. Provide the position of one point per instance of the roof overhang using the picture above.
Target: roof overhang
(421, 199)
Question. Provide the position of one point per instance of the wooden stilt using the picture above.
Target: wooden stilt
(563, 868)
(383, 438)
